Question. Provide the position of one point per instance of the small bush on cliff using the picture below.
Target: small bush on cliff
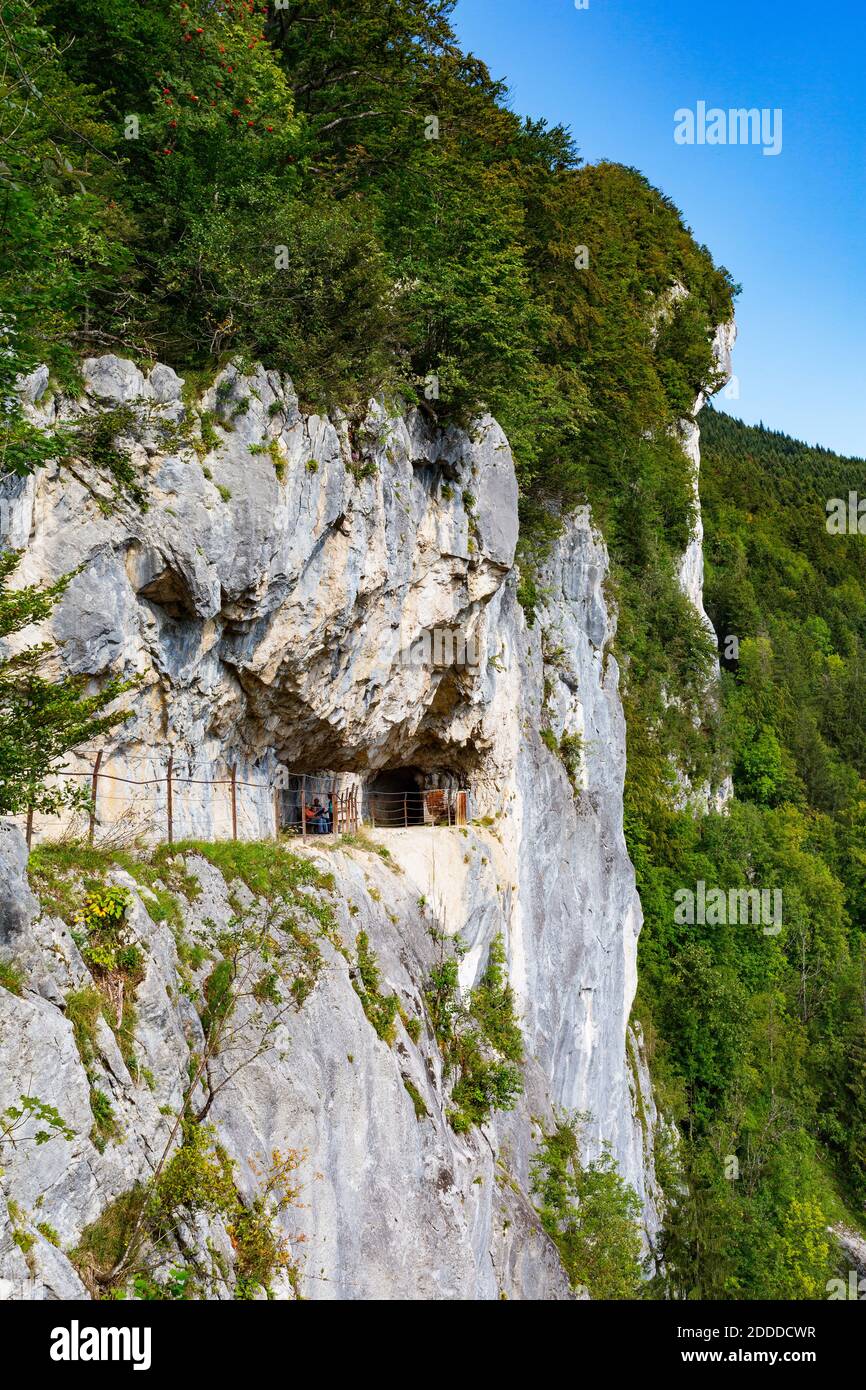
(11, 977)
(84, 1008)
(590, 1213)
(105, 1124)
(480, 1039)
(103, 1243)
(179, 1285)
(492, 1006)
(197, 1178)
(381, 1009)
(103, 936)
(261, 1248)
(135, 1233)
(98, 439)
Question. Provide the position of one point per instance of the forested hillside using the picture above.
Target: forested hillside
(762, 1037)
(337, 190)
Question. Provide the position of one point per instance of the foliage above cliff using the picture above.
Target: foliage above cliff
(338, 190)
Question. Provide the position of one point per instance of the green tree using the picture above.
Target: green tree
(41, 718)
(590, 1213)
(760, 768)
(62, 229)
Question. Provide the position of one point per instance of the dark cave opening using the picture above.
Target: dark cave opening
(395, 797)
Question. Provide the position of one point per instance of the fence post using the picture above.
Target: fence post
(234, 802)
(93, 785)
(169, 804)
(304, 805)
(405, 809)
(29, 832)
(277, 812)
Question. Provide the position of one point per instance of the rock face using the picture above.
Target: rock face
(268, 601)
(691, 570)
(393, 1206)
(692, 564)
(17, 904)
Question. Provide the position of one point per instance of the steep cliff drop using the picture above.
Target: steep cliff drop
(266, 600)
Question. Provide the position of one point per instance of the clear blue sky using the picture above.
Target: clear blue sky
(790, 228)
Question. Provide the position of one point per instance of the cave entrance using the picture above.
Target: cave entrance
(396, 797)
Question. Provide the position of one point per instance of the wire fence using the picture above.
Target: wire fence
(174, 803)
(435, 806)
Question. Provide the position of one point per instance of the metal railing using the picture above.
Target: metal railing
(295, 803)
(431, 806)
(290, 799)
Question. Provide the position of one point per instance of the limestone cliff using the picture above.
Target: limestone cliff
(266, 600)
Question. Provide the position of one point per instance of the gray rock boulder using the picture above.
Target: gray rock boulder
(116, 379)
(18, 906)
